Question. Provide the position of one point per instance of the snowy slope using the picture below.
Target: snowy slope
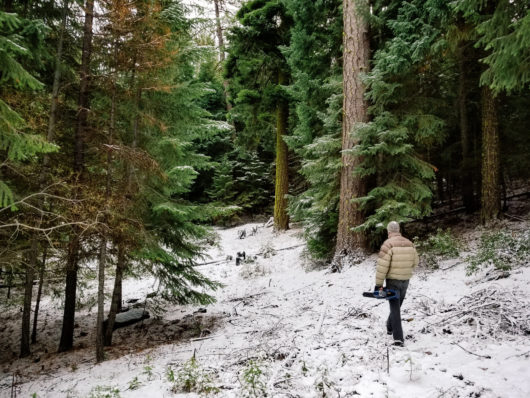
(294, 333)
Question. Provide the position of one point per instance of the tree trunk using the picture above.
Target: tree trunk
(220, 40)
(355, 61)
(490, 199)
(116, 295)
(67, 333)
(56, 80)
(466, 178)
(28, 293)
(100, 331)
(39, 295)
(9, 283)
(281, 188)
(84, 91)
(100, 351)
(136, 126)
(46, 158)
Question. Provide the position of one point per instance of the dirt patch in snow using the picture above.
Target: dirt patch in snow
(132, 339)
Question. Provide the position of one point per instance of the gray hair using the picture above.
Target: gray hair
(392, 226)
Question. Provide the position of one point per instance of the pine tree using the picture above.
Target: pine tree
(314, 58)
(356, 57)
(259, 74)
(16, 142)
(403, 98)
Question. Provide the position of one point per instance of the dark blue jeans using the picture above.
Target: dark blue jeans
(393, 323)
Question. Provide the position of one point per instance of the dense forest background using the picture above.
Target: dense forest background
(129, 127)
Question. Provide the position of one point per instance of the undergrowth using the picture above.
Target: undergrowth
(253, 380)
(502, 250)
(191, 377)
(104, 392)
(438, 246)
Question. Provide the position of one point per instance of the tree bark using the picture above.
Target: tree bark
(67, 333)
(281, 188)
(56, 81)
(39, 295)
(116, 295)
(28, 293)
(136, 126)
(356, 58)
(84, 89)
(490, 198)
(466, 178)
(46, 159)
(100, 351)
(220, 40)
(100, 331)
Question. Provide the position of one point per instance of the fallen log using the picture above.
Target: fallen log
(128, 318)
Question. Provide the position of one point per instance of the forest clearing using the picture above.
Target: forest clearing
(280, 329)
(220, 197)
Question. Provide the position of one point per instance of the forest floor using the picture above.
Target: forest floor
(283, 329)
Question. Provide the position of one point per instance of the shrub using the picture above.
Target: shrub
(441, 245)
(104, 392)
(191, 378)
(501, 249)
(253, 381)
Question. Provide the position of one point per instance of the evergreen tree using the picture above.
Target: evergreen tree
(356, 58)
(314, 57)
(20, 40)
(407, 87)
(259, 73)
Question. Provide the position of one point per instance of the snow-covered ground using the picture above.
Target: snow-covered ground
(284, 331)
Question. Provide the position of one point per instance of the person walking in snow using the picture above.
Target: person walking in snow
(396, 262)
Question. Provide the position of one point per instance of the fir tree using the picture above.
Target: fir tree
(314, 57)
(259, 74)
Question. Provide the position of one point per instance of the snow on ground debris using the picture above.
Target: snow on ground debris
(287, 332)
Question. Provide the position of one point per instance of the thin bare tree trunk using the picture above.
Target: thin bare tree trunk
(42, 176)
(281, 186)
(355, 61)
(67, 332)
(100, 351)
(100, 331)
(220, 40)
(465, 136)
(491, 198)
(116, 295)
(39, 295)
(28, 292)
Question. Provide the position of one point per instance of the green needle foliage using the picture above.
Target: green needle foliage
(20, 41)
(314, 57)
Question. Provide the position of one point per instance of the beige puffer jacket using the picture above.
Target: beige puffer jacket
(397, 259)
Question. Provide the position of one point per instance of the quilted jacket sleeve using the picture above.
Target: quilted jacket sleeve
(383, 263)
(416, 258)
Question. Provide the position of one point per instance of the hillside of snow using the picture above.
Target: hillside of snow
(280, 329)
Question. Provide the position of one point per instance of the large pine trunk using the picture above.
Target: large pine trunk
(490, 198)
(281, 188)
(28, 293)
(355, 61)
(67, 333)
(116, 295)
